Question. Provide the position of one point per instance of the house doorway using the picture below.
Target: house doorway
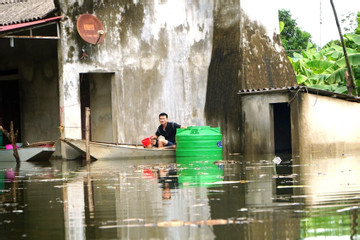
(283, 147)
(95, 93)
(282, 128)
(9, 104)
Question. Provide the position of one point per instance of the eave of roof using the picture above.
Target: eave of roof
(28, 24)
(22, 11)
(299, 89)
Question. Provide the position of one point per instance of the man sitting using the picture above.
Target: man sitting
(166, 130)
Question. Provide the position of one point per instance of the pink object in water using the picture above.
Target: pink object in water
(10, 174)
(9, 146)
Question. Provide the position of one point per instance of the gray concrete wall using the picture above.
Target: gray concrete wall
(101, 117)
(247, 53)
(257, 122)
(320, 126)
(185, 58)
(36, 63)
(159, 53)
(328, 127)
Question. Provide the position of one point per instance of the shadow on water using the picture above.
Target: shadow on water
(240, 198)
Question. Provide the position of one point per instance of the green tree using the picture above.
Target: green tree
(292, 37)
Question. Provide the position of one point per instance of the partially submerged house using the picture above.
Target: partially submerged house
(315, 133)
(29, 89)
(186, 58)
(299, 120)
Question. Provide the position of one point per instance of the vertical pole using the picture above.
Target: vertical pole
(352, 81)
(87, 134)
(13, 142)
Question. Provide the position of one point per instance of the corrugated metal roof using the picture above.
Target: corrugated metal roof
(28, 24)
(298, 89)
(21, 11)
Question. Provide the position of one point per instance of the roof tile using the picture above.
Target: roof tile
(20, 11)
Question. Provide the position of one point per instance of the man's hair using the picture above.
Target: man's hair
(163, 114)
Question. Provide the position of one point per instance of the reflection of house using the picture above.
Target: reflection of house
(299, 120)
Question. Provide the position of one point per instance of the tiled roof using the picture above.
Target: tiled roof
(20, 11)
(299, 89)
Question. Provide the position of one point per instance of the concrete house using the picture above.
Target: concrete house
(300, 121)
(316, 133)
(184, 58)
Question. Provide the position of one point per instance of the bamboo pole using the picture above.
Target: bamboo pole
(87, 134)
(13, 142)
(352, 80)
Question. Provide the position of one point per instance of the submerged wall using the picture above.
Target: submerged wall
(329, 126)
(247, 53)
(158, 52)
(185, 58)
(321, 126)
(34, 66)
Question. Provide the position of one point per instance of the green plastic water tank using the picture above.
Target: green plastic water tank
(201, 142)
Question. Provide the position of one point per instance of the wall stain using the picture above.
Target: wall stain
(243, 56)
(131, 21)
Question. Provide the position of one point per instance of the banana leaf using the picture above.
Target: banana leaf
(337, 76)
(301, 79)
(354, 59)
(353, 37)
(318, 66)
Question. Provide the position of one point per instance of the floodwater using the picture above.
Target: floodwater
(241, 198)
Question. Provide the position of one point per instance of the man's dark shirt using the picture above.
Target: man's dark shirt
(170, 131)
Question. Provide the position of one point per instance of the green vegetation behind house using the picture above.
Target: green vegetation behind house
(322, 68)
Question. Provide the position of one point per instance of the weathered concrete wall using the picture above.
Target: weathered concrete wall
(247, 53)
(321, 127)
(173, 56)
(258, 122)
(159, 52)
(36, 63)
(329, 127)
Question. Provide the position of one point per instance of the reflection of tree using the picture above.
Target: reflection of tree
(353, 223)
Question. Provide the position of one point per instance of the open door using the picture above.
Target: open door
(283, 146)
(95, 93)
(282, 128)
(9, 104)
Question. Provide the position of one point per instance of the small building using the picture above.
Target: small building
(299, 120)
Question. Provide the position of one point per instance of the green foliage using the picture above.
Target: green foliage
(325, 68)
(292, 37)
(357, 30)
(321, 68)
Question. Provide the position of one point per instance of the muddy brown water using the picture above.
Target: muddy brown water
(240, 198)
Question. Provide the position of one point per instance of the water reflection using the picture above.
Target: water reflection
(245, 198)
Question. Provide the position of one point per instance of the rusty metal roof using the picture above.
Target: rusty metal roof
(28, 24)
(299, 89)
(21, 11)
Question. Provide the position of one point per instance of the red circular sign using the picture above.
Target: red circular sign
(90, 29)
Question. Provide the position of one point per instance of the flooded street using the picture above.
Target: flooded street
(243, 198)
